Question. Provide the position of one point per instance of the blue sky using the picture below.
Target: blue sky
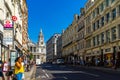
(52, 16)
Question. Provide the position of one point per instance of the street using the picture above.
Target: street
(63, 72)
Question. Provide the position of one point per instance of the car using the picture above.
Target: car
(60, 61)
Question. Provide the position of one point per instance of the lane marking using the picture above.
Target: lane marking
(82, 72)
(43, 71)
(90, 74)
(47, 75)
(43, 76)
(65, 77)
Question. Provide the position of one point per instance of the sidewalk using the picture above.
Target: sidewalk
(29, 75)
(99, 68)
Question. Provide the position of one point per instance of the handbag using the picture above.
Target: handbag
(9, 73)
(14, 77)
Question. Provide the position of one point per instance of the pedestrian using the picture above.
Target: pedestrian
(1, 73)
(5, 69)
(23, 64)
(10, 72)
(18, 68)
(116, 64)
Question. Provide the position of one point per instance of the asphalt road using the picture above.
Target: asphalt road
(63, 72)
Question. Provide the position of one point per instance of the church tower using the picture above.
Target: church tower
(41, 43)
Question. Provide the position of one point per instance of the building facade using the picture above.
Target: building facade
(12, 28)
(38, 50)
(25, 26)
(102, 30)
(80, 40)
(69, 44)
(59, 47)
(51, 48)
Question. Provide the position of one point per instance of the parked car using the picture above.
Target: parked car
(60, 61)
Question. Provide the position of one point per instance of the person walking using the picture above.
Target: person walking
(1, 72)
(23, 66)
(18, 68)
(5, 69)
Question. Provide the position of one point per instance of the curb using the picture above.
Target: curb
(29, 75)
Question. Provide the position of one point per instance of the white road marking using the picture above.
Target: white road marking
(65, 77)
(47, 75)
(82, 72)
(43, 71)
(90, 74)
(43, 76)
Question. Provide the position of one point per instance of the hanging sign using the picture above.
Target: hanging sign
(8, 24)
(14, 18)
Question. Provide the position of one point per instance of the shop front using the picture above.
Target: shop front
(108, 59)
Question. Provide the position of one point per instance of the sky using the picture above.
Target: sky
(52, 16)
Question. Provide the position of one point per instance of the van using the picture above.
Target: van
(60, 61)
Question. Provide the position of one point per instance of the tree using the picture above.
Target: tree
(31, 56)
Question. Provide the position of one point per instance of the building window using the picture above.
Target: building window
(107, 17)
(102, 21)
(102, 7)
(88, 29)
(107, 3)
(34, 49)
(119, 10)
(93, 14)
(31, 49)
(88, 45)
(38, 56)
(112, 1)
(94, 41)
(97, 10)
(107, 36)
(94, 27)
(119, 31)
(113, 33)
(98, 25)
(98, 41)
(41, 50)
(102, 38)
(114, 13)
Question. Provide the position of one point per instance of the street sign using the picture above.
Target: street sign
(14, 18)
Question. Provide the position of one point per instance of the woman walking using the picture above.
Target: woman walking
(18, 68)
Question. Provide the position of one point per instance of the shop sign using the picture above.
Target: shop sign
(8, 24)
(14, 18)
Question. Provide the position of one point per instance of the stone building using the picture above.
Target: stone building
(59, 47)
(24, 26)
(102, 30)
(51, 48)
(80, 40)
(38, 50)
(12, 29)
(69, 44)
